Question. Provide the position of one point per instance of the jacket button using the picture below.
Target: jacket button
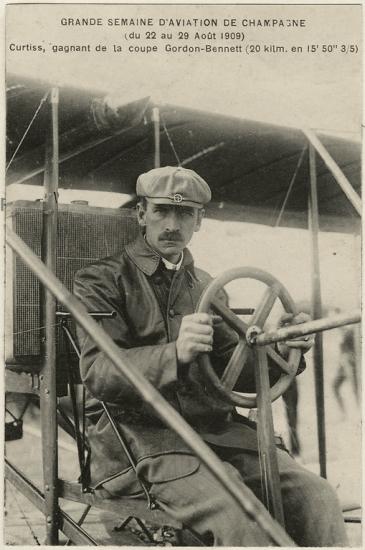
(171, 313)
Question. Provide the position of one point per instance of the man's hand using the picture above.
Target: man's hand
(195, 336)
(304, 343)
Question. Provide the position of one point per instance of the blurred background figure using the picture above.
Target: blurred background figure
(348, 368)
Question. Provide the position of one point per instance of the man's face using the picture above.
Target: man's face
(169, 228)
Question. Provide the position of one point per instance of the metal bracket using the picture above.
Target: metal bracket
(251, 334)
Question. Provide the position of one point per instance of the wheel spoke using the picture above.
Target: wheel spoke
(230, 318)
(235, 364)
(280, 361)
(263, 310)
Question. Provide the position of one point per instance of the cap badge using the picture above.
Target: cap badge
(177, 198)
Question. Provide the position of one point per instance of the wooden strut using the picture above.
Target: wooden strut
(313, 224)
(48, 394)
(156, 128)
(241, 495)
(337, 173)
(71, 529)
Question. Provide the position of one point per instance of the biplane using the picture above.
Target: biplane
(265, 174)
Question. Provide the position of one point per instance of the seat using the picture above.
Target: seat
(143, 509)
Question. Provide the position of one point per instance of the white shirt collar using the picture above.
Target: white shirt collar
(171, 266)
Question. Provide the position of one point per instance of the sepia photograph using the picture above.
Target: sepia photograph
(182, 269)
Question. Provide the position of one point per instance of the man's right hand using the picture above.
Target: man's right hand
(195, 336)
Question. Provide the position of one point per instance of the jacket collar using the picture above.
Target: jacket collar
(147, 259)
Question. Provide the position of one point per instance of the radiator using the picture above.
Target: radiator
(85, 234)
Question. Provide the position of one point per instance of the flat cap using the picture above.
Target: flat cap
(174, 185)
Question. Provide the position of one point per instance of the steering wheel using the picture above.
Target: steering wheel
(246, 332)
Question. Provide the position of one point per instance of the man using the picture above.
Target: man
(154, 288)
(347, 369)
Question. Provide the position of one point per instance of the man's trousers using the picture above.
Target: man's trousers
(312, 512)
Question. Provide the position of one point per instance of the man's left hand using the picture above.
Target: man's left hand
(303, 343)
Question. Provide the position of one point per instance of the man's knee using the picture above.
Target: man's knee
(308, 487)
(323, 496)
(312, 511)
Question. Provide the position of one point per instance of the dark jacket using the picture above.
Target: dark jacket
(145, 328)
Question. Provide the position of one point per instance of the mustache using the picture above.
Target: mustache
(170, 236)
